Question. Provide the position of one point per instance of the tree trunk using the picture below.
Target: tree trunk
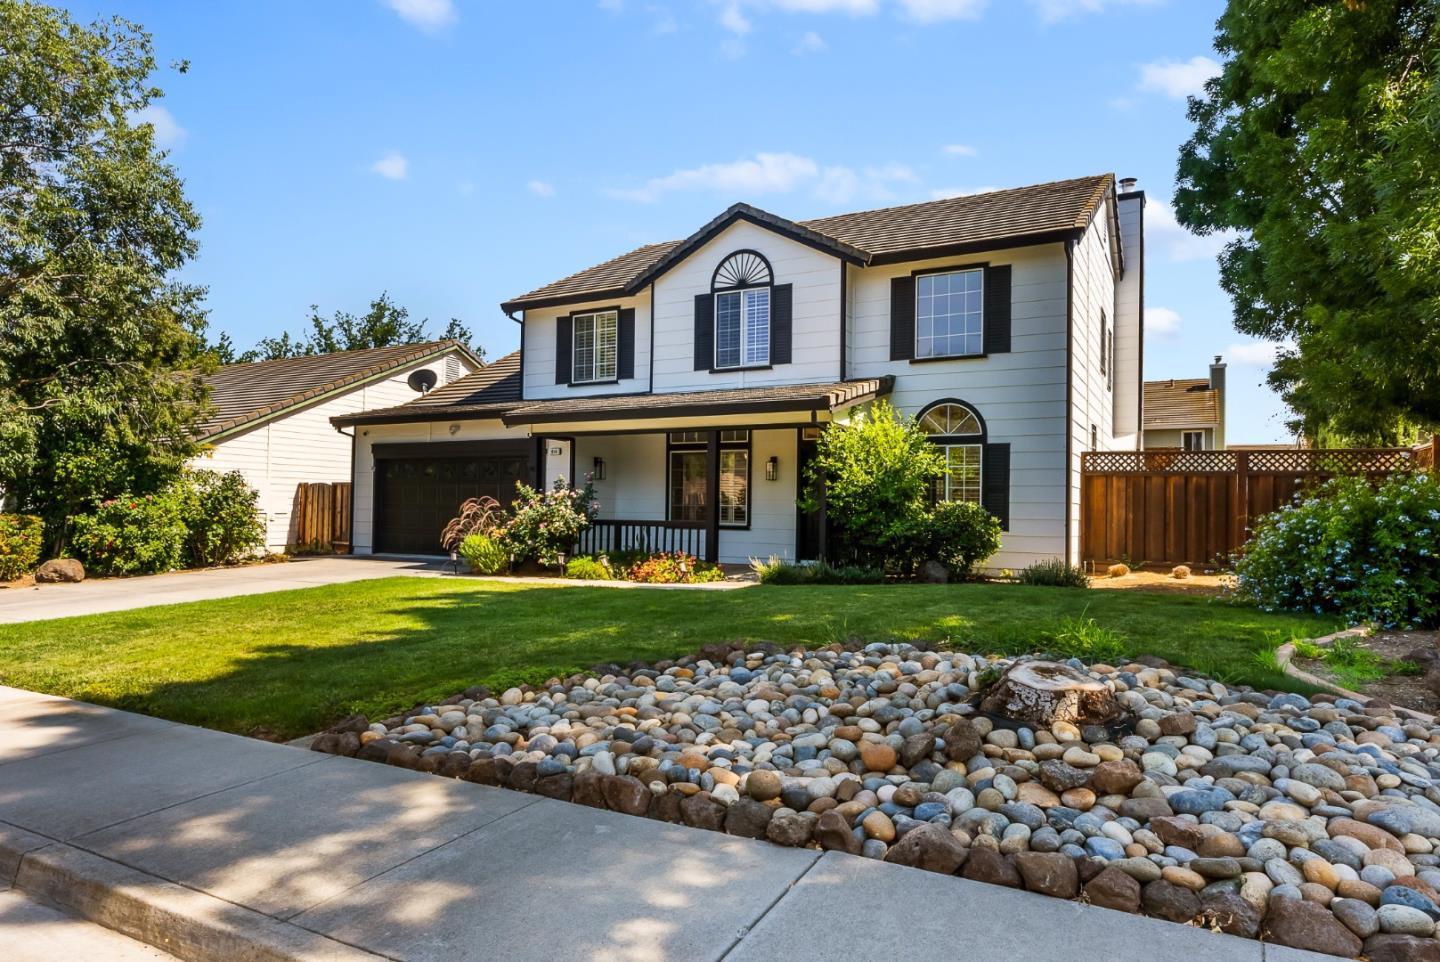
(1045, 692)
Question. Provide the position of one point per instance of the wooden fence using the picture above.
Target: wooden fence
(1196, 507)
(322, 517)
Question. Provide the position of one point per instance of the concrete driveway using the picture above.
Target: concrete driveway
(123, 594)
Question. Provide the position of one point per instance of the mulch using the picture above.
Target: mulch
(1407, 691)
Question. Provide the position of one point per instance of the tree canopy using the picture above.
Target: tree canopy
(99, 343)
(384, 324)
(1319, 145)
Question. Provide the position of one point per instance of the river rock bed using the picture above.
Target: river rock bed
(1313, 823)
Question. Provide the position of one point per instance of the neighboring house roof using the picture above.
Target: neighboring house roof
(492, 389)
(1180, 403)
(245, 395)
(1036, 214)
(824, 396)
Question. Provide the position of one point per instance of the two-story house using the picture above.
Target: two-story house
(692, 379)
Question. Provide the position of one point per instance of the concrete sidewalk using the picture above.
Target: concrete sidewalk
(123, 594)
(219, 847)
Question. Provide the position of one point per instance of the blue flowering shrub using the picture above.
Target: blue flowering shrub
(1367, 552)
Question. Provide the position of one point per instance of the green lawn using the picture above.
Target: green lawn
(285, 664)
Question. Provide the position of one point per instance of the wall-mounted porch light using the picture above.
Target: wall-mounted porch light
(772, 469)
(598, 473)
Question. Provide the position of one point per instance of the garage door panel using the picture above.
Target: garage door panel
(416, 494)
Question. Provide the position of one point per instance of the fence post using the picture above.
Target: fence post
(1435, 455)
(1242, 495)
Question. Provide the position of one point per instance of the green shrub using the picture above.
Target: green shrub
(876, 472)
(221, 513)
(133, 534)
(959, 535)
(589, 568)
(777, 571)
(545, 525)
(485, 555)
(21, 539)
(1055, 573)
(667, 568)
(1366, 552)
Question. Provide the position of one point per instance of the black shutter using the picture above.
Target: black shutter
(625, 344)
(995, 482)
(704, 332)
(902, 318)
(780, 323)
(997, 309)
(564, 332)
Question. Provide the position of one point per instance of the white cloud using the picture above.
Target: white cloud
(1164, 234)
(664, 21)
(425, 14)
(810, 42)
(1161, 321)
(168, 132)
(960, 150)
(945, 193)
(733, 20)
(393, 166)
(776, 173)
(1255, 353)
(1178, 78)
(1053, 10)
(934, 11)
(540, 188)
(852, 7)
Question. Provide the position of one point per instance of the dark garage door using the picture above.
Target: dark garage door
(416, 493)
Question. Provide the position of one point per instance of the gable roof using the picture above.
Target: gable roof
(1180, 403)
(1038, 214)
(245, 395)
(490, 390)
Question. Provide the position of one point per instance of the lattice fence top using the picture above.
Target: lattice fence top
(1425, 456)
(1262, 461)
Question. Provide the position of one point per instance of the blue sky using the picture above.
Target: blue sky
(458, 152)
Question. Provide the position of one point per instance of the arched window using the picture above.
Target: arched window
(958, 430)
(741, 285)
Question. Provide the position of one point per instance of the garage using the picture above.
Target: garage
(419, 487)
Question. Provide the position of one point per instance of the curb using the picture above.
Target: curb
(186, 923)
(1285, 652)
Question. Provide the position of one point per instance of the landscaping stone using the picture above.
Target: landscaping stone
(60, 571)
(1314, 820)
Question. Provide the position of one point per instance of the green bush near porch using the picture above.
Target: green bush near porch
(288, 663)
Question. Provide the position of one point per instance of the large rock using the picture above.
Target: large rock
(60, 570)
(1114, 889)
(1388, 947)
(988, 865)
(701, 811)
(934, 573)
(1116, 778)
(748, 818)
(962, 741)
(1046, 692)
(1174, 903)
(1231, 914)
(833, 834)
(1049, 873)
(930, 847)
(1306, 925)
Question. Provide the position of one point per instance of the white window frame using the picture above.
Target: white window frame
(919, 353)
(1199, 440)
(748, 321)
(598, 375)
(948, 485)
(732, 442)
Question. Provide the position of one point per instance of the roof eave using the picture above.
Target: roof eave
(1035, 239)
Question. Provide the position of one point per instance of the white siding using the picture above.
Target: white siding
(1129, 336)
(1021, 395)
(815, 337)
(304, 447)
(538, 361)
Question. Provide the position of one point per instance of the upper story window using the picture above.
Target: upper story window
(957, 430)
(949, 313)
(742, 285)
(596, 337)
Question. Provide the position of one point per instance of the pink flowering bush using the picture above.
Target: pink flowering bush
(1367, 552)
(545, 524)
(133, 534)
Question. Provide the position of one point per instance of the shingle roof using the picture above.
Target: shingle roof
(874, 236)
(241, 394)
(1180, 404)
(827, 396)
(490, 390)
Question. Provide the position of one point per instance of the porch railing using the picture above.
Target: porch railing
(608, 535)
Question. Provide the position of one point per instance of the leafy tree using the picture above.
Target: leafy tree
(100, 348)
(384, 324)
(876, 472)
(1317, 145)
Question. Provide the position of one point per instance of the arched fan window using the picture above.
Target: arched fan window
(956, 428)
(742, 310)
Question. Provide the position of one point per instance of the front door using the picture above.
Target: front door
(808, 546)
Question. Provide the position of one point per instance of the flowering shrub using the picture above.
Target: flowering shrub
(139, 534)
(672, 568)
(21, 536)
(544, 525)
(484, 554)
(1366, 552)
(222, 517)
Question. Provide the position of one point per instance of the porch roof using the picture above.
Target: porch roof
(798, 398)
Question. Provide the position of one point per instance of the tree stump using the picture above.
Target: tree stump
(1045, 692)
